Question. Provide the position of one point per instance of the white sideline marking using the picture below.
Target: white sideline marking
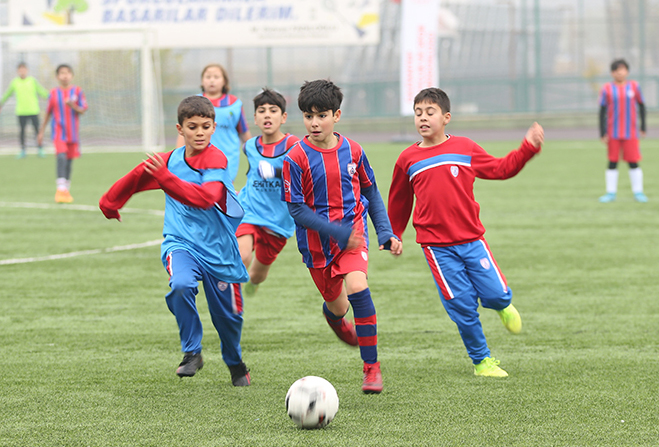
(48, 206)
(80, 253)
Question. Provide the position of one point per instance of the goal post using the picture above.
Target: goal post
(118, 69)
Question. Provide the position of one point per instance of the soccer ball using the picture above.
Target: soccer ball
(312, 402)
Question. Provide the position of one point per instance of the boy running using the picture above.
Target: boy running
(201, 217)
(440, 172)
(27, 91)
(65, 104)
(619, 129)
(330, 187)
(267, 224)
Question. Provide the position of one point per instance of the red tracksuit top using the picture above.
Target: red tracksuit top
(442, 179)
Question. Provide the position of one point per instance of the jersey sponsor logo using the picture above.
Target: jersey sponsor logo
(266, 184)
(485, 263)
(222, 286)
(455, 171)
(352, 169)
(287, 186)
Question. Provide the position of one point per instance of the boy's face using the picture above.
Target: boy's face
(429, 119)
(196, 132)
(213, 81)
(64, 76)
(22, 72)
(268, 118)
(620, 74)
(320, 127)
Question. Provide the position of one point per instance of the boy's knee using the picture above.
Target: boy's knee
(182, 285)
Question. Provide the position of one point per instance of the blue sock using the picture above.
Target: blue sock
(365, 324)
(332, 319)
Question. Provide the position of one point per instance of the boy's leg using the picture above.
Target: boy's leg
(61, 162)
(459, 298)
(225, 306)
(632, 155)
(22, 121)
(267, 247)
(611, 174)
(184, 275)
(335, 305)
(35, 123)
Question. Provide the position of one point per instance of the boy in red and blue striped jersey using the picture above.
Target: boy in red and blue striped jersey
(619, 129)
(330, 187)
(65, 104)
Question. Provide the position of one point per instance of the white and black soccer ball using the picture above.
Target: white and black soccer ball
(312, 402)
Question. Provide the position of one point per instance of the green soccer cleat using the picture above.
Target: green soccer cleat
(250, 288)
(41, 153)
(608, 198)
(511, 319)
(21, 154)
(489, 367)
(640, 197)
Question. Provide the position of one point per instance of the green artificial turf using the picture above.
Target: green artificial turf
(89, 349)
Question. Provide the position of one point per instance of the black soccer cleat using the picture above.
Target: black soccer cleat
(190, 365)
(240, 375)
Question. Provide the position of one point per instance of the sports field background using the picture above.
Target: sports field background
(89, 349)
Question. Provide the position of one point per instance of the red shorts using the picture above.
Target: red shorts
(631, 152)
(329, 280)
(267, 245)
(70, 149)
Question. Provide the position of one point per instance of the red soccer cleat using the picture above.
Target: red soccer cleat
(345, 331)
(372, 378)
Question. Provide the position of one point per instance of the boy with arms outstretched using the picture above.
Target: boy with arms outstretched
(267, 224)
(440, 171)
(619, 129)
(330, 187)
(201, 217)
(65, 104)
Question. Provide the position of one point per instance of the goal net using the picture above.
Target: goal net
(117, 69)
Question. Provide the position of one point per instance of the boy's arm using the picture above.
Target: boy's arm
(487, 166)
(401, 200)
(80, 103)
(305, 216)
(123, 189)
(7, 94)
(198, 196)
(378, 214)
(42, 129)
(602, 121)
(41, 90)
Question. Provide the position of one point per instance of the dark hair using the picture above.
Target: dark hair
(225, 88)
(618, 63)
(319, 96)
(434, 95)
(195, 106)
(60, 66)
(268, 96)
(22, 64)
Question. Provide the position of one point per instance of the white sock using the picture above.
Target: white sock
(61, 184)
(636, 179)
(612, 181)
(68, 185)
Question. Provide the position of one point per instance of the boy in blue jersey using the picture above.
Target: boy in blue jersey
(330, 187)
(201, 217)
(267, 223)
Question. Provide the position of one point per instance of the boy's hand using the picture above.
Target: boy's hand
(40, 138)
(535, 135)
(154, 163)
(605, 140)
(356, 240)
(395, 246)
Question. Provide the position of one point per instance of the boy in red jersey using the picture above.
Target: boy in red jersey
(440, 171)
(65, 104)
(330, 187)
(619, 129)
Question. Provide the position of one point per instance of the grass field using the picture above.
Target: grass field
(89, 348)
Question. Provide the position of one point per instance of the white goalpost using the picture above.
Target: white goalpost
(117, 68)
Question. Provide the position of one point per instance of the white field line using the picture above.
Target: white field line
(50, 206)
(83, 252)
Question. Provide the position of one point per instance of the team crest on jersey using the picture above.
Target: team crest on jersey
(222, 286)
(365, 256)
(287, 186)
(630, 93)
(352, 169)
(455, 171)
(485, 263)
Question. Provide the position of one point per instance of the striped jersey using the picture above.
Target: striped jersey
(329, 181)
(231, 122)
(261, 198)
(442, 180)
(64, 124)
(620, 101)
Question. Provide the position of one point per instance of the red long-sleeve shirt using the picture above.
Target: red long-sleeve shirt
(442, 179)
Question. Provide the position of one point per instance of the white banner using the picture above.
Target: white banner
(215, 23)
(419, 64)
